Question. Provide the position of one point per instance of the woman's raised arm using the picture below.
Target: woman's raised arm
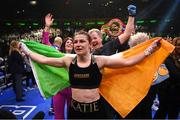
(57, 62)
(117, 60)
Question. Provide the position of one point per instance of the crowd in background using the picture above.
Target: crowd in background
(64, 43)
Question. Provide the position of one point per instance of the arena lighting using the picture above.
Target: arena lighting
(35, 24)
(8, 24)
(21, 24)
(144, 14)
(140, 21)
(78, 23)
(100, 23)
(81, 23)
(89, 3)
(33, 2)
(67, 23)
(153, 21)
(169, 14)
(110, 1)
(90, 23)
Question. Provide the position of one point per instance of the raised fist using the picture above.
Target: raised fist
(132, 10)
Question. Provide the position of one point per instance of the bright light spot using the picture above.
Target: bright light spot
(33, 2)
(110, 1)
(89, 3)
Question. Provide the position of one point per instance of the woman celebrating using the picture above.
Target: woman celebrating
(85, 74)
(67, 46)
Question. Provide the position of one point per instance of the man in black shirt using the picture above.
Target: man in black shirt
(113, 45)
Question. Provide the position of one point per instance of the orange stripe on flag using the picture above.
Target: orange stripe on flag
(124, 88)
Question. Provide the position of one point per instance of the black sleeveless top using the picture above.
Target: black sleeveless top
(84, 78)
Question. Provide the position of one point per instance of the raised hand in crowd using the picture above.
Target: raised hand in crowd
(48, 21)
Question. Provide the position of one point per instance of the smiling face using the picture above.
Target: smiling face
(69, 46)
(114, 27)
(81, 44)
(96, 40)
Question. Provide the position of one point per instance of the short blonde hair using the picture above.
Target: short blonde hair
(95, 30)
(58, 40)
(138, 38)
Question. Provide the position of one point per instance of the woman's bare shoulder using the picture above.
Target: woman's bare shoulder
(100, 60)
(68, 59)
(70, 55)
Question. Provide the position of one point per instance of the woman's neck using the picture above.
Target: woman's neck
(84, 58)
(84, 61)
(68, 51)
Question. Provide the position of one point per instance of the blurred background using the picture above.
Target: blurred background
(159, 16)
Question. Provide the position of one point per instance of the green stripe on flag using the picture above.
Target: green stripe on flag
(50, 80)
